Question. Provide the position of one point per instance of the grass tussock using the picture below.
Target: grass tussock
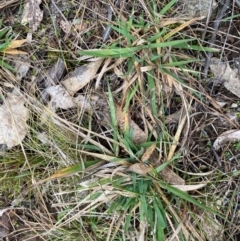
(132, 158)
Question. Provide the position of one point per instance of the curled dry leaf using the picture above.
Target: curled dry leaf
(13, 116)
(140, 168)
(5, 223)
(65, 26)
(125, 123)
(53, 75)
(22, 67)
(226, 137)
(11, 48)
(81, 76)
(62, 99)
(227, 75)
(16, 44)
(187, 188)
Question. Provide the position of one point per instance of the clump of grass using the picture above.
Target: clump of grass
(5, 40)
(81, 176)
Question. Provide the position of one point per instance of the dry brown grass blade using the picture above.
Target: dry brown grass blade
(14, 52)
(176, 138)
(148, 153)
(66, 172)
(187, 188)
(171, 177)
(140, 168)
(169, 21)
(182, 26)
(183, 118)
(172, 210)
(16, 44)
(103, 70)
(11, 48)
(125, 123)
(76, 129)
(5, 3)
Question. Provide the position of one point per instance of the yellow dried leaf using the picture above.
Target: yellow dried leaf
(125, 124)
(16, 44)
(140, 168)
(182, 26)
(14, 52)
(148, 152)
(122, 119)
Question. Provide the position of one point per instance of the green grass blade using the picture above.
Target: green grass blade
(165, 164)
(161, 220)
(4, 45)
(90, 147)
(3, 32)
(129, 97)
(167, 7)
(114, 118)
(7, 66)
(167, 44)
(111, 53)
(196, 47)
(188, 198)
(156, 36)
(180, 63)
(151, 84)
(230, 18)
(124, 32)
(143, 208)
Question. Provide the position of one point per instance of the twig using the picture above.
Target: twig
(60, 12)
(212, 148)
(238, 3)
(214, 34)
(108, 29)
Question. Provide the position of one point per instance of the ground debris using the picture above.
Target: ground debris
(229, 77)
(13, 116)
(197, 8)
